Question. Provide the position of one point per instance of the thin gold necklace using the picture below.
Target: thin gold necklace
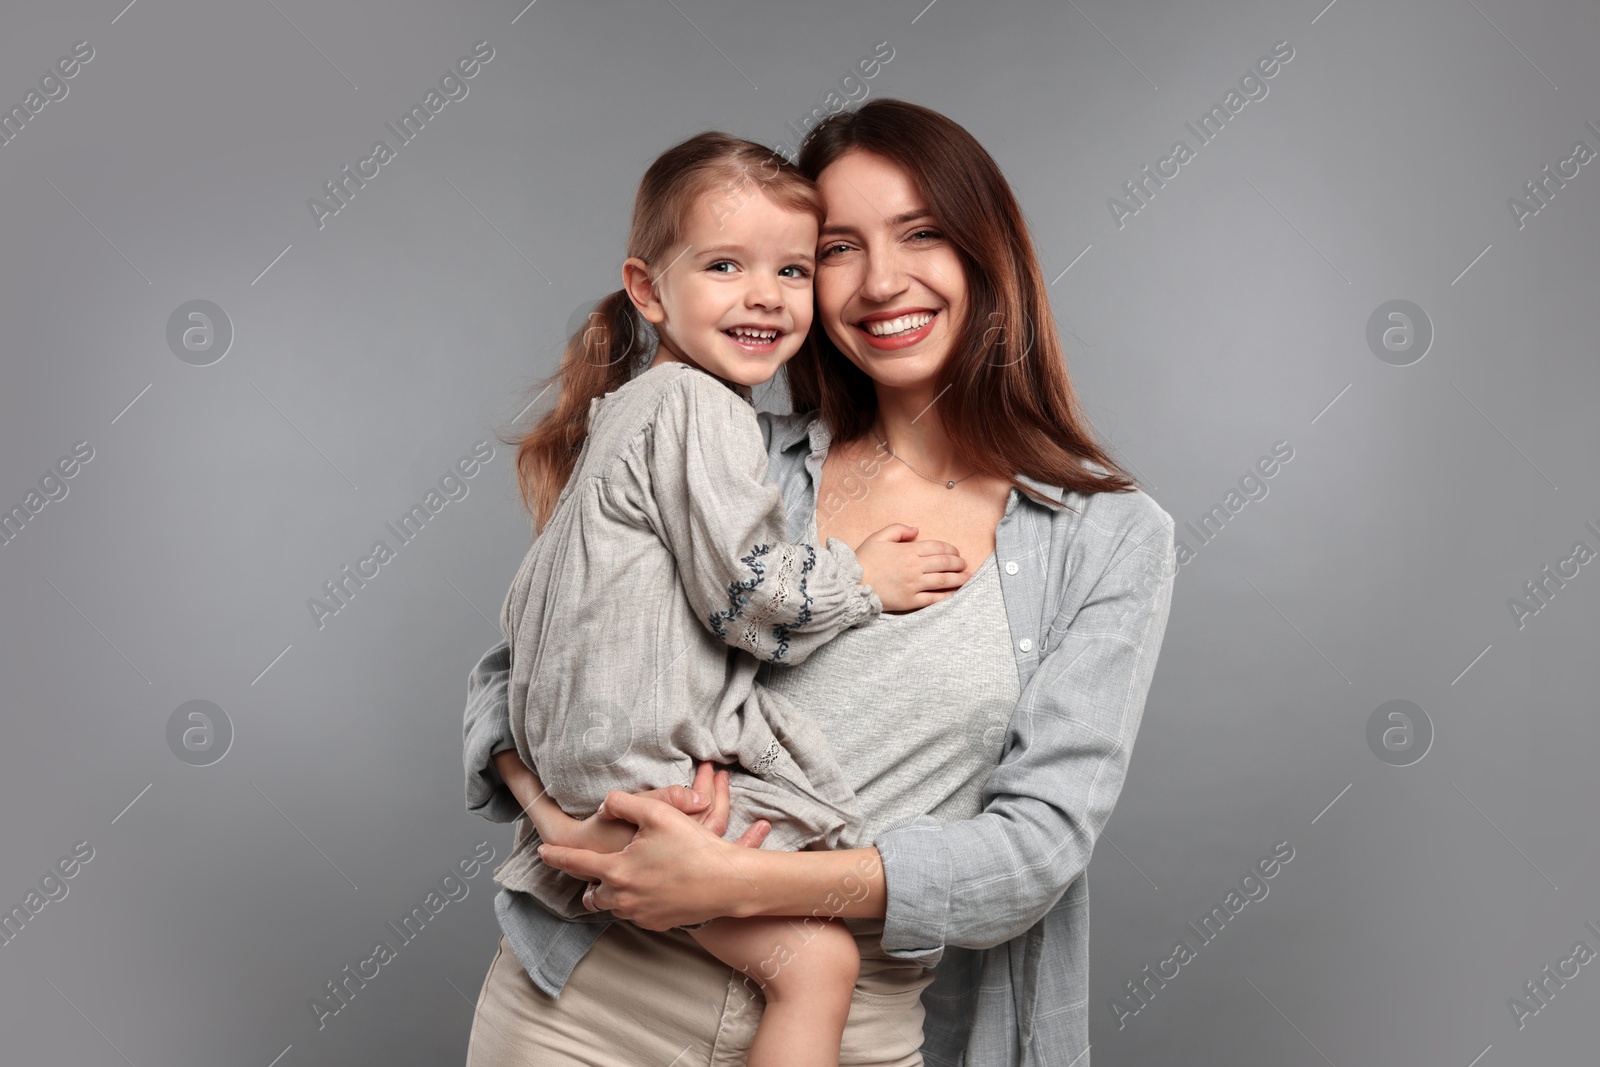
(946, 482)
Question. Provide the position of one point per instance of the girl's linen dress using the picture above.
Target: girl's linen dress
(639, 616)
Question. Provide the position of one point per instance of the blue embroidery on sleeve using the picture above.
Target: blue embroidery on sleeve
(736, 591)
(739, 601)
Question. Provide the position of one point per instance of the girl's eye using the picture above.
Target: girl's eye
(800, 272)
(721, 263)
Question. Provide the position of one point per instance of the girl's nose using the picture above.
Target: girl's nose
(764, 292)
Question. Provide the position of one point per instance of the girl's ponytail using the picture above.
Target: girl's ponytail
(600, 358)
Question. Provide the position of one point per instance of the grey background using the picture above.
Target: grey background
(1230, 313)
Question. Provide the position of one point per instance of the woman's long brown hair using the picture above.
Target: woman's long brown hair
(1004, 395)
(613, 344)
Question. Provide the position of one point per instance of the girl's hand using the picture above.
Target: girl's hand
(715, 816)
(676, 871)
(908, 574)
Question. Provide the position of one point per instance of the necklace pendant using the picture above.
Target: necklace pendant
(949, 485)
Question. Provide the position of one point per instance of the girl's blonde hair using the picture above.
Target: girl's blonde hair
(605, 352)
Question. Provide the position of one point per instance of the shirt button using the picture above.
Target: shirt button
(1025, 644)
(1011, 566)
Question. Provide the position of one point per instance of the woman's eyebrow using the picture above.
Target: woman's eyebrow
(899, 220)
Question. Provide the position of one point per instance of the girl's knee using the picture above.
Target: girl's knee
(825, 954)
(836, 947)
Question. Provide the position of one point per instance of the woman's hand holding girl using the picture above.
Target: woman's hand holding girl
(676, 871)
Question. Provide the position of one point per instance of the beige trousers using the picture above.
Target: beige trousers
(640, 998)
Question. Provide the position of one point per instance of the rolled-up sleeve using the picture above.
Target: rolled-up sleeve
(978, 882)
(486, 730)
(697, 476)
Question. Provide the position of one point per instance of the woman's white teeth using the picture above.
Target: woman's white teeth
(904, 324)
(753, 336)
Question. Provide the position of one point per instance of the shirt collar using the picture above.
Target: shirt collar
(815, 432)
(792, 429)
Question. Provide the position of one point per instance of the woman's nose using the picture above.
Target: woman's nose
(885, 276)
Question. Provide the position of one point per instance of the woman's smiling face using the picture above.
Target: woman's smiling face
(890, 288)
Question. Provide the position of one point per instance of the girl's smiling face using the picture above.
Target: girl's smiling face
(737, 300)
(891, 291)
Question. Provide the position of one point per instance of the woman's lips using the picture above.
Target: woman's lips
(899, 340)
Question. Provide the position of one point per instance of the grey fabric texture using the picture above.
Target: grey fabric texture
(643, 609)
(998, 903)
(941, 684)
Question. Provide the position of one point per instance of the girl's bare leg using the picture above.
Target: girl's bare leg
(806, 968)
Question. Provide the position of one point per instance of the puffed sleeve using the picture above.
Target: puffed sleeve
(978, 882)
(695, 473)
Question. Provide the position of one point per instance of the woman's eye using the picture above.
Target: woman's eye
(828, 250)
(930, 234)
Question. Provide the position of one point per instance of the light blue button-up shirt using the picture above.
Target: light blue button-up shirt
(998, 904)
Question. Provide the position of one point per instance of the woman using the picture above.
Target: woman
(988, 733)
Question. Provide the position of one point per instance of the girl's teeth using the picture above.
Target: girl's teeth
(753, 337)
(903, 324)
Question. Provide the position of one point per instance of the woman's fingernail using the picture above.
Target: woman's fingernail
(698, 799)
(541, 851)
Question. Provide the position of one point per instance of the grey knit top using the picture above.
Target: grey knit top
(943, 685)
(917, 706)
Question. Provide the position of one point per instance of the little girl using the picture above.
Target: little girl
(661, 572)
